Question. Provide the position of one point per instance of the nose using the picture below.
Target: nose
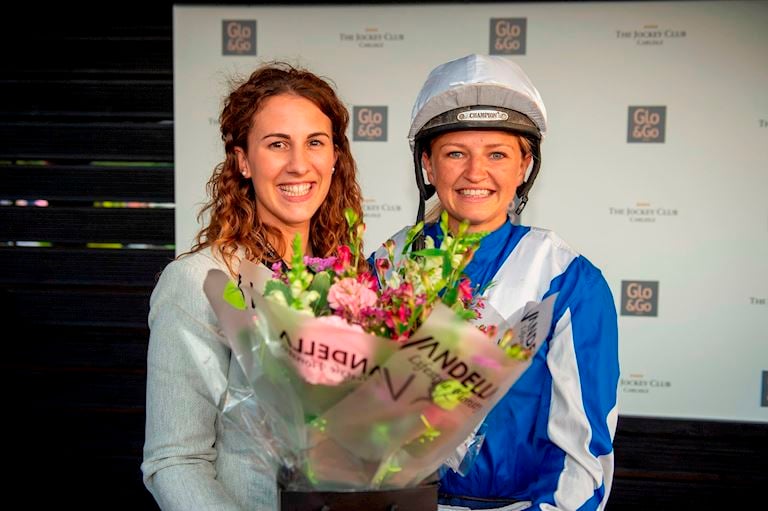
(299, 163)
(475, 169)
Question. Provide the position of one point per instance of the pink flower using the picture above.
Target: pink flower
(369, 281)
(404, 290)
(465, 290)
(489, 330)
(382, 267)
(349, 297)
(343, 260)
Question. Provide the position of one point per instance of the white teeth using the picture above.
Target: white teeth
(473, 192)
(295, 190)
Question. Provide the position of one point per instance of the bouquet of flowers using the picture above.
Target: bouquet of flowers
(368, 379)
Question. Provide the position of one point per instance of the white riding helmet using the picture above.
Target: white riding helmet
(473, 93)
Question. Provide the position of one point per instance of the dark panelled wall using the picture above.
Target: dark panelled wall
(86, 125)
(86, 147)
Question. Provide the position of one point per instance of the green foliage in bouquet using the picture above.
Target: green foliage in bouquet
(391, 300)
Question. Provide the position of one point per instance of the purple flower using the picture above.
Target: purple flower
(318, 264)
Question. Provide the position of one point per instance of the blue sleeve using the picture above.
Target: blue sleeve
(581, 416)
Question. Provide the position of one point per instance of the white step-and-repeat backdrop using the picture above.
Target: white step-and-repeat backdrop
(655, 166)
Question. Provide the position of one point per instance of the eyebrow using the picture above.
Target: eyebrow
(288, 137)
(464, 146)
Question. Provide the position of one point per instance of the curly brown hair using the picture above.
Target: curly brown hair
(233, 222)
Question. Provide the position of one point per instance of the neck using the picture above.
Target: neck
(289, 235)
(453, 225)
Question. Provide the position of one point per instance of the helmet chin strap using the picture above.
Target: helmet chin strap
(525, 186)
(426, 191)
(521, 205)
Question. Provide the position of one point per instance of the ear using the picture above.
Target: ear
(242, 163)
(525, 163)
(426, 164)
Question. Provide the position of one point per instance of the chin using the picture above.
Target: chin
(473, 217)
(292, 218)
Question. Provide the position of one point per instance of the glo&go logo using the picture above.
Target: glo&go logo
(647, 123)
(508, 36)
(239, 37)
(370, 123)
(639, 298)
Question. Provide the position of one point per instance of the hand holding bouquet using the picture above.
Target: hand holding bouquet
(367, 379)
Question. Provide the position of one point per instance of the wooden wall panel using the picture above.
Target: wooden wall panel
(86, 117)
(88, 183)
(50, 266)
(100, 140)
(83, 225)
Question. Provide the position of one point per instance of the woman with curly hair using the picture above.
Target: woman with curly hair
(288, 170)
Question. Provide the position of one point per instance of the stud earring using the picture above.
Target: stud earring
(333, 169)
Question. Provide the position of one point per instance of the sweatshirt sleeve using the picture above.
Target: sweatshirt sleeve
(582, 414)
(187, 366)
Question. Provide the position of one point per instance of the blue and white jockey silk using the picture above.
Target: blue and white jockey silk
(549, 441)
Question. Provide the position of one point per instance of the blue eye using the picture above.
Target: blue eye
(498, 156)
